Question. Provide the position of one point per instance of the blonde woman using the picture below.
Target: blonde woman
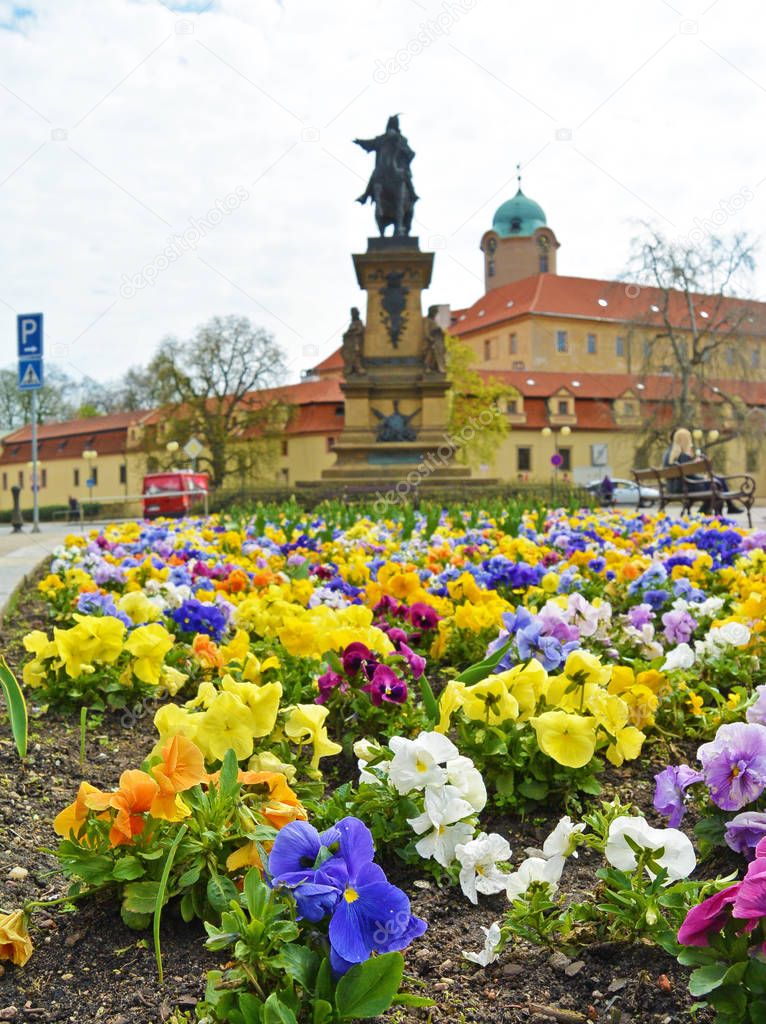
(682, 450)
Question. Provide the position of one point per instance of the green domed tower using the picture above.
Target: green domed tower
(519, 244)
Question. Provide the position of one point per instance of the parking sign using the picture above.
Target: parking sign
(29, 328)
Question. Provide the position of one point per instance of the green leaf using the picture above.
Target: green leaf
(322, 1011)
(187, 907)
(429, 701)
(140, 897)
(408, 999)
(227, 783)
(755, 977)
(256, 893)
(299, 962)
(368, 989)
(481, 669)
(693, 957)
(323, 987)
(533, 790)
(220, 892)
(127, 869)
(138, 922)
(275, 1011)
(705, 979)
(17, 706)
(250, 1007)
(161, 890)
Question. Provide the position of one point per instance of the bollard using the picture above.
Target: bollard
(17, 519)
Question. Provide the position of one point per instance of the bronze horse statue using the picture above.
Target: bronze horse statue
(390, 186)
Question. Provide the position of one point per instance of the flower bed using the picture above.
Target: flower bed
(343, 729)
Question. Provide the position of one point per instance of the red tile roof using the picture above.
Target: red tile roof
(607, 301)
(83, 427)
(331, 366)
(105, 442)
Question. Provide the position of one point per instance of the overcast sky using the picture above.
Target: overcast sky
(223, 130)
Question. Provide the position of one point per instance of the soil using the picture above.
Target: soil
(88, 967)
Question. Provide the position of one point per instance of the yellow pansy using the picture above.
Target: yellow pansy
(526, 683)
(306, 724)
(585, 667)
(237, 648)
(139, 609)
(171, 680)
(568, 739)
(149, 645)
(490, 701)
(626, 746)
(224, 726)
(450, 700)
(261, 703)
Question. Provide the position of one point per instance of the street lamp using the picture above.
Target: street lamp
(34, 476)
(556, 459)
(90, 455)
(172, 447)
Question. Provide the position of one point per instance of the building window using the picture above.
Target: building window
(628, 409)
(43, 477)
(619, 345)
(487, 349)
(123, 473)
(21, 478)
(755, 358)
(513, 345)
(647, 348)
(330, 443)
(512, 406)
(544, 263)
(730, 356)
(515, 223)
(523, 459)
(76, 477)
(566, 460)
(490, 266)
(5, 481)
(561, 341)
(563, 406)
(599, 454)
(284, 447)
(751, 460)
(518, 364)
(285, 475)
(591, 344)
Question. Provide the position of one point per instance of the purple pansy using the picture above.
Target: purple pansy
(670, 787)
(679, 626)
(745, 831)
(734, 764)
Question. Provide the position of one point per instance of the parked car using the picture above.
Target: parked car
(173, 493)
(626, 492)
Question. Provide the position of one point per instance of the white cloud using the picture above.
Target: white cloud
(126, 120)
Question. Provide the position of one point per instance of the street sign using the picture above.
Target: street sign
(29, 333)
(30, 374)
(193, 448)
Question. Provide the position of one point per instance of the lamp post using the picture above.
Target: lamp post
(90, 455)
(34, 476)
(556, 459)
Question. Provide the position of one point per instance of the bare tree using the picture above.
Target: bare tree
(691, 327)
(209, 387)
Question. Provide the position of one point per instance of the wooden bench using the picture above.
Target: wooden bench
(695, 481)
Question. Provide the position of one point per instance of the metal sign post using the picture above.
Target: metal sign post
(29, 327)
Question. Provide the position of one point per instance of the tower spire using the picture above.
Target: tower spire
(518, 175)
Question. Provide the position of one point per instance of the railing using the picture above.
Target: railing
(78, 514)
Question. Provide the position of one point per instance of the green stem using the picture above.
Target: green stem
(83, 732)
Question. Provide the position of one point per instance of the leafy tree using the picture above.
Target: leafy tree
(476, 407)
(691, 326)
(209, 388)
(56, 399)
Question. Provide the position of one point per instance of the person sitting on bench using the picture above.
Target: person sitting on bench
(682, 450)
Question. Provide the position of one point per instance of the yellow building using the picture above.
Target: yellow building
(586, 362)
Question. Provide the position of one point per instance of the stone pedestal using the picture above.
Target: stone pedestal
(396, 400)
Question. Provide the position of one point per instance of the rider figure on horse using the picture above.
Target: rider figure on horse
(390, 186)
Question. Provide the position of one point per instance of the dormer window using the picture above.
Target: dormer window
(515, 223)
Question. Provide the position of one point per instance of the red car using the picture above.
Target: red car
(173, 493)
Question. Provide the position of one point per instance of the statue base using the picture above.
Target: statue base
(395, 404)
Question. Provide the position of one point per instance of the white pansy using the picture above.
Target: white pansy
(443, 806)
(489, 953)
(560, 843)
(416, 763)
(681, 656)
(644, 637)
(534, 869)
(678, 853)
(735, 633)
(478, 860)
(467, 780)
(440, 844)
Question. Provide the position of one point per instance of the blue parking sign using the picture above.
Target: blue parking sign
(30, 374)
(29, 328)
